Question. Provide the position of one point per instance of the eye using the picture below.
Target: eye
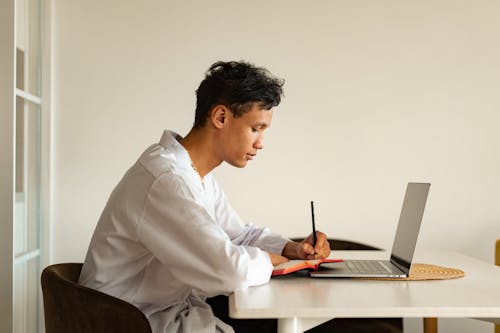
(254, 129)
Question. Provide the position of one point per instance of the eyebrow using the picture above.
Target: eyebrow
(262, 125)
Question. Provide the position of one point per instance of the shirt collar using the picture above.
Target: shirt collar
(170, 141)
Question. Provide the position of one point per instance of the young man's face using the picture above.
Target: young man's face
(243, 136)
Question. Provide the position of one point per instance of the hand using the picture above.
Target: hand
(276, 259)
(306, 250)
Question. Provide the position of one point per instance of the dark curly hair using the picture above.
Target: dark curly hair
(239, 86)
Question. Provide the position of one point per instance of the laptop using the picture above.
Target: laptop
(402, 249)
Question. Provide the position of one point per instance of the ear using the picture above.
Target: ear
(219, 115)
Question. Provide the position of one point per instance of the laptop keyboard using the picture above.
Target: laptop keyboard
(367, 266)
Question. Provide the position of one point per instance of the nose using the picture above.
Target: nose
(259, 143)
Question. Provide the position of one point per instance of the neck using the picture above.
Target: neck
(200, 147)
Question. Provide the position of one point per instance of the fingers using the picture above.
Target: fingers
(322, 248)
(307, 250)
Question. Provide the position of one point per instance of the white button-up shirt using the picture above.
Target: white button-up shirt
(166, 240)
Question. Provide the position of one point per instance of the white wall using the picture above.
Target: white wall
(377, 93)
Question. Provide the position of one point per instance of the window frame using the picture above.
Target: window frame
(8, 95)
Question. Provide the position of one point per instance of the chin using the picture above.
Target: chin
(238, 164)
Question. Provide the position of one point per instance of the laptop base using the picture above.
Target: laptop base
(343, 270)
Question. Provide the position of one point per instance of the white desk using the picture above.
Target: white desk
(300, 303)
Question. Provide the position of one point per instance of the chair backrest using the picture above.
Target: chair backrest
(342, 244)
(497, 253)
(70, 307)
(497, 262)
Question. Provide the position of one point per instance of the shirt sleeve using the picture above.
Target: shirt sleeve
(244, 234)
(183, 236)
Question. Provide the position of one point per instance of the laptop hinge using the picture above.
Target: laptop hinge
(402, 264)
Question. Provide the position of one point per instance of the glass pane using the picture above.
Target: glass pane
(27, 209)
(28, 36)
(26, 293)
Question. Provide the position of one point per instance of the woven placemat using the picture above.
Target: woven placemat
(421, 272)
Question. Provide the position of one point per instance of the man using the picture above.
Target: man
(168, 238)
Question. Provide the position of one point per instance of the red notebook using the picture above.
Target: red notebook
(297, 265)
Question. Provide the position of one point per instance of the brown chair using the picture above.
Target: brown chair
(497, 262)
(342, 244)
(70, 307)
(356, 325)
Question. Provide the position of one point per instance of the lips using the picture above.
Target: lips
(251, 156)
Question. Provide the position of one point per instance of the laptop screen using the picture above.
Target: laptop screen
(409, 224)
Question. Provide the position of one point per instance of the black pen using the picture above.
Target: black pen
(314, 228)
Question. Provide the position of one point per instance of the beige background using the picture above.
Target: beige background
(377, 93)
